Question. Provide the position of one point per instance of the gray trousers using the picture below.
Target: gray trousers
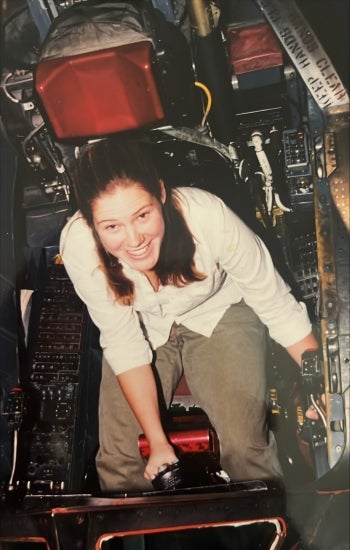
(227, 379)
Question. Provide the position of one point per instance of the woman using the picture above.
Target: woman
(176, 283)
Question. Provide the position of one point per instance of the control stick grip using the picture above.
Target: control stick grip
(170, 477)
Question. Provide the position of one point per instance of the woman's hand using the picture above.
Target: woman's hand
(160, 454)
(317, 410)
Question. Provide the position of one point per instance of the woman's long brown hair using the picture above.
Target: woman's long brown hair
(115, 161)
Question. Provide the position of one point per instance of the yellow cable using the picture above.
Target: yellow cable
(209, 100)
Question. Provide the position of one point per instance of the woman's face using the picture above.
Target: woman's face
(129, 222)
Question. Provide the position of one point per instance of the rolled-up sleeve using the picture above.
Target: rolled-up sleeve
(121, 337)
(243, 255)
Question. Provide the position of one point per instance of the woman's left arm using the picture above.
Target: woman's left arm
(309, 343)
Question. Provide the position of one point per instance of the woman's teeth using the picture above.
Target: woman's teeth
(139, 252)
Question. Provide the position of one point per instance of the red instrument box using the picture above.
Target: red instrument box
(253, 48)
(100, 92)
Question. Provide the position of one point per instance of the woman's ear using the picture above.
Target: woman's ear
(162, 191)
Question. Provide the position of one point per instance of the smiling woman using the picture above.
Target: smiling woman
(172, 294)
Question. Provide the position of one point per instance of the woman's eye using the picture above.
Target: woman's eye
(143, 215)
(111, 227)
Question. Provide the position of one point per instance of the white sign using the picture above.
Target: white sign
(305, 51)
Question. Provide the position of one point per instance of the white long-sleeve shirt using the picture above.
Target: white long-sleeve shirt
(234, 259)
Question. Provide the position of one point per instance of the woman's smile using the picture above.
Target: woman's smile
(140, 252)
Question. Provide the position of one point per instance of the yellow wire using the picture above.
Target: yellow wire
(209, 100)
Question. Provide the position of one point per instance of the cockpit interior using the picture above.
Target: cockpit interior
(245, 99)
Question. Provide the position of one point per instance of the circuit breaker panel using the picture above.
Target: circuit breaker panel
(54, 415)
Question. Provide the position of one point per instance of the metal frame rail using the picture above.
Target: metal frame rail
(72, 522)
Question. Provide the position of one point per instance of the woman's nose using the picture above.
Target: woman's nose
(133, 237)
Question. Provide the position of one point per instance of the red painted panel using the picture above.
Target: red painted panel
(253, 48)
(100, 92)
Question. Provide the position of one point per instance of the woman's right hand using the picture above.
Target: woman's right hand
(160, 454)
(312, 413)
